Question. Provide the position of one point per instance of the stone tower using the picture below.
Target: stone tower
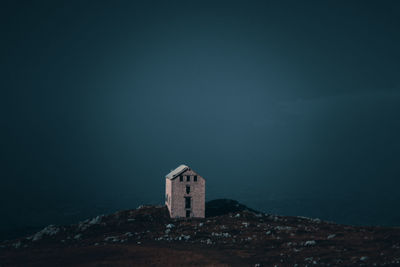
(185, 192)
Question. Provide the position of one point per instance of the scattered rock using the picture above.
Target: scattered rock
(170, 225)
(50, 230)
(310, 243)
(17, 244)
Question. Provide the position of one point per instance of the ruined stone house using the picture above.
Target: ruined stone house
(185, 193)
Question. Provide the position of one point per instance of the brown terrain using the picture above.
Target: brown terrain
(148, 237)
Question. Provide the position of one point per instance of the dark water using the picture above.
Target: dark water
(291, 107)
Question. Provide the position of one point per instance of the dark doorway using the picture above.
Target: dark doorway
(187, 213)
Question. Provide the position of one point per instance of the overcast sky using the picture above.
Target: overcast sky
(265, 99)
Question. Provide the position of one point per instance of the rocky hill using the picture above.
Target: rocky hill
(231, 235)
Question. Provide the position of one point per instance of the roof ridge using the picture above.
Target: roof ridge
(181, 168)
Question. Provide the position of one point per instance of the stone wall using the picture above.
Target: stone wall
(197, 194)
(168, 192)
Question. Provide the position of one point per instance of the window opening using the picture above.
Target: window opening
(188, 203)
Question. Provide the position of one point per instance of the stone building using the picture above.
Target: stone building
(185, 193)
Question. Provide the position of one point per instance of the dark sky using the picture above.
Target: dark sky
(268, 100)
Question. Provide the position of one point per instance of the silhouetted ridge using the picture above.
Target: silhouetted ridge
(218, 207)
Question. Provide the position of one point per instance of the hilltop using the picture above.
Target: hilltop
(231, 235)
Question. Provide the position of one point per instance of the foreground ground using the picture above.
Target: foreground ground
(148, 237)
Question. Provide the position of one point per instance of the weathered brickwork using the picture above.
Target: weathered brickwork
(176, 191)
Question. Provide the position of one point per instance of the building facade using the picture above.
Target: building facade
(185, 193)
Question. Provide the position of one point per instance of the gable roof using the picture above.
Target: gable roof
(177, 171)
